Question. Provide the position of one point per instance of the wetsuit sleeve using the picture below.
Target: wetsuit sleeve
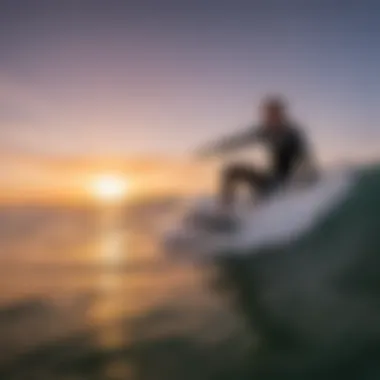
(233, 142)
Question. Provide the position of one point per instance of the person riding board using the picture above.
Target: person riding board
(288, 149)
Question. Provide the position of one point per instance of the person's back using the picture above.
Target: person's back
(286, 144)
(287, 148)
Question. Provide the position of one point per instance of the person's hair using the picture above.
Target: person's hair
(275, 102)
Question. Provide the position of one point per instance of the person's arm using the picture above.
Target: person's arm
(230, 143)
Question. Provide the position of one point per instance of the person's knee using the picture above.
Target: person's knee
(232, 172)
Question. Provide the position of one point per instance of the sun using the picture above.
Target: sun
(110, 188)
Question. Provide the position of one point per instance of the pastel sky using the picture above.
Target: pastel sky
(142, 79)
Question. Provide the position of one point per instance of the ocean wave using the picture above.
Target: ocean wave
(307, 279)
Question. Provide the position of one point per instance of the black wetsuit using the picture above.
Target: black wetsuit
(287, 147)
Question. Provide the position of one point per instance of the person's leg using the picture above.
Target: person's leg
(235, 175)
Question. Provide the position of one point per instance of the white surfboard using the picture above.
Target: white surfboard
(280, 219)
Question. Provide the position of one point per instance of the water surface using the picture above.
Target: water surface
(87, 294)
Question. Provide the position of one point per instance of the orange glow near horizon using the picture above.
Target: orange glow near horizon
(110, 188)
(33, 179)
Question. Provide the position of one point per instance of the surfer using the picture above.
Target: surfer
(287, 146)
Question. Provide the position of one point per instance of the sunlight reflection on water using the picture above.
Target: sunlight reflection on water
(88, 289)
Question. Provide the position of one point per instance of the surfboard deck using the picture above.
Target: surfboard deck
(214, 221)
(281, 218)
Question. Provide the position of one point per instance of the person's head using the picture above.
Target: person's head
(274, 112)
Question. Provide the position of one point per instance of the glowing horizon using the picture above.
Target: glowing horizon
(110, 187)
(76, 181)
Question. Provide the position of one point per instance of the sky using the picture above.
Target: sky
(142, 83)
